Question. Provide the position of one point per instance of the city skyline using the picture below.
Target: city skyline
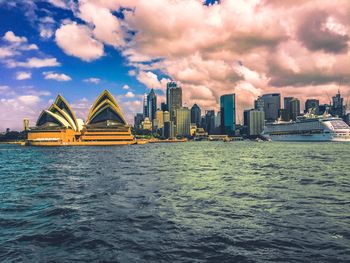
(121, 46)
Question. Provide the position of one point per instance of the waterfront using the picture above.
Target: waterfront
(184, 202)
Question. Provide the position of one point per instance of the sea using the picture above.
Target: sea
(176, 202)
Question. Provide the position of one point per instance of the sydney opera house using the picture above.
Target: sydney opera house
(58, 125)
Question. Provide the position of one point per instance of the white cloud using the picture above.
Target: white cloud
(129, 94)
(7, 52)
(22, 75)
(126, 87)
(4, 88)
(46, 32)
(77, 40)
(92, 80)
(11, 37)
(58, 3)
(29, 99)
(29, 47)
(34, 63)
(56, 76)
(151, 80)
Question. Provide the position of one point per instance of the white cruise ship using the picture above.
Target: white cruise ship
(308, 128)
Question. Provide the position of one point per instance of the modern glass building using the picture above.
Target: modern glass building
(183, 122)
(228, 114)
(152, 105)
(272, 106)
(173, 98)
(196, 115)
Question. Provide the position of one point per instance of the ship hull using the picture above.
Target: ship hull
(309, 138)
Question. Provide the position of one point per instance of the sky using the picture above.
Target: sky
(248, 47)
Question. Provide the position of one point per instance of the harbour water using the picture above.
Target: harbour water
(184, 202)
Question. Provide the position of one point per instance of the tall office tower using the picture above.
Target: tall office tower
(294, 109)
(138, 120)
(338, 108)
(159, 119)
(312, 104)
(254, 120)
(283, 115)
(163, 106)
(259, 104)
(228, 114)
(25, 124)
(174, 98)
(152, 105)
(166, 116)
(168, 130)
(209, 122)
(218, 120)
(272, 105)
(145, 106)
(183, 121)
(196, 115)
(287, 101)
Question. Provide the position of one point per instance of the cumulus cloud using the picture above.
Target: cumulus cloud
(77, 40)
(22, 75)
(56, 76)
(11, 37)
(151, 80)
(6, 52)
(126, 87)
(59, 3)
(17, 105)
(92, 80)
(248, 47)
(129, 94)
(34, 63)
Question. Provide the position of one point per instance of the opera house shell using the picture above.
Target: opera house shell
(58, 125)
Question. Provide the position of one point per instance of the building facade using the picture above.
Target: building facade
(152, 105)
(196, 115)
(312, 104)
(183, 122)
(228, 114)
(254, 120)
(174, 98)
(272, 105)
(138, 120)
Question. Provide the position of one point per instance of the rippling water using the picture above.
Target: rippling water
(185, 202)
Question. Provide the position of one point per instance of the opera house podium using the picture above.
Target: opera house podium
(58, 125)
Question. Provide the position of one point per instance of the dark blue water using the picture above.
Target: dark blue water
(185, 202)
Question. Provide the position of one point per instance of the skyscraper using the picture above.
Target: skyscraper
(254, 120)
(138, 120)
(163, 106)
(272, 105)
(159, 121)
(228, 114)
(259, 104)
(312, 104)
(145, 106)
(183, 121)
(196, 115)
(166, 116)
(174, 98)
(209, 121)
(337, 108)
(292, 107)
(152, 105)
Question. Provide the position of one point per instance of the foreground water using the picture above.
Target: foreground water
(185, 202)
